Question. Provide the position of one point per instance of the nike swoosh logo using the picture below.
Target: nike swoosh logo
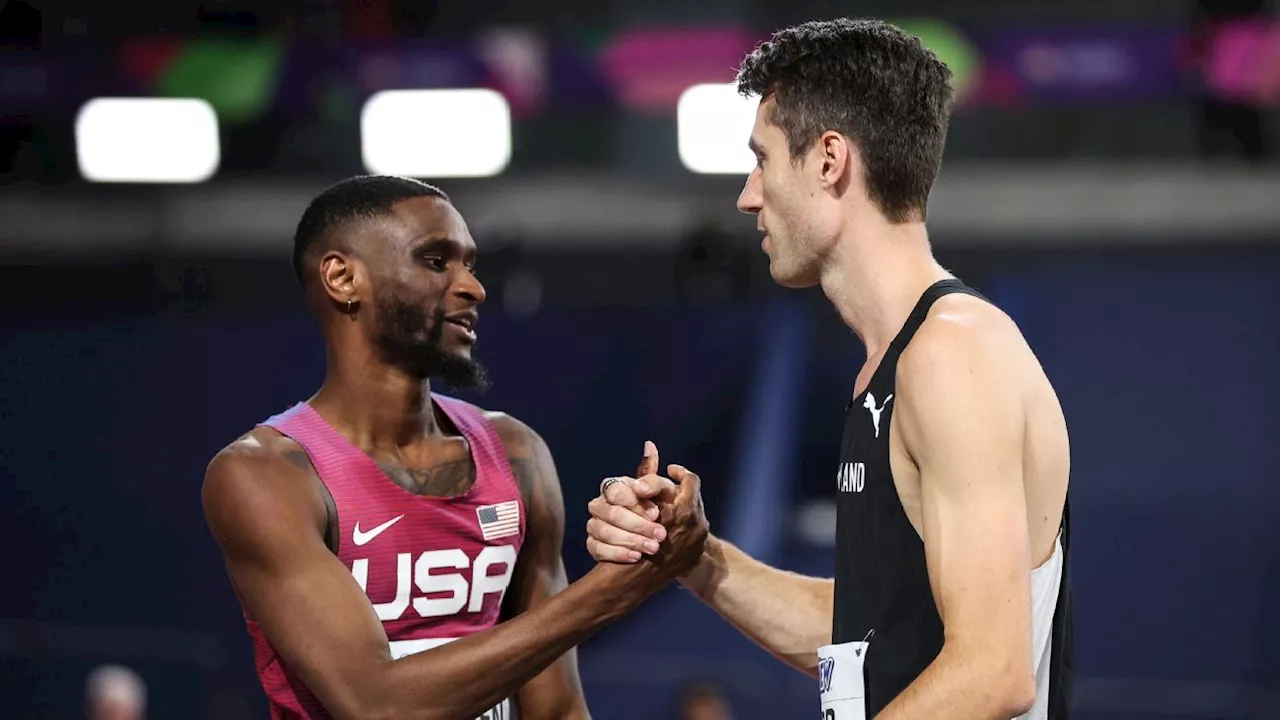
(360, 538)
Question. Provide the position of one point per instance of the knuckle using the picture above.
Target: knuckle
(613, 535)
(625, 519)
(630, 541)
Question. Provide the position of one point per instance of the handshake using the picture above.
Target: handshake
(650, 516)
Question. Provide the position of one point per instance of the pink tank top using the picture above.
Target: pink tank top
(434, 569)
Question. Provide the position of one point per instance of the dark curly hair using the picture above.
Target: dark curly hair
(869, 81)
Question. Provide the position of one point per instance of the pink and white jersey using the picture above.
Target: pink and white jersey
(434, 569)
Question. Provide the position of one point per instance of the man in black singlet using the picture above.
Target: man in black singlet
(951, 596)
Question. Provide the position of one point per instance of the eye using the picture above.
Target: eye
(434, 261)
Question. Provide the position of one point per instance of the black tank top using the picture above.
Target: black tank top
(882, 591)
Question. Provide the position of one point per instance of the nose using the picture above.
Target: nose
(751, 199)
(468, 287)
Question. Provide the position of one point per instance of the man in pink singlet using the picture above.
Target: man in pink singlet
(396, 551)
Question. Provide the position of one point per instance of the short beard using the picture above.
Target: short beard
(409, 340)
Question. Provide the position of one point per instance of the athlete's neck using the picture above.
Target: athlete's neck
(875, 276)
(380, 406)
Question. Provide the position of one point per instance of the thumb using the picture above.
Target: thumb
(648, 463)
(690, 483)
(654, 487)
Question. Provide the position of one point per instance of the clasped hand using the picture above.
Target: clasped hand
(649, 515)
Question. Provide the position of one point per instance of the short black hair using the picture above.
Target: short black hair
(360, 197)
(870, 81)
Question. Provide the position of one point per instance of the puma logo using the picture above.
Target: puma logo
(870, 404)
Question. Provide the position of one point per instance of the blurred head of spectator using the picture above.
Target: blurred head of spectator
(114, 692)
(704, 700)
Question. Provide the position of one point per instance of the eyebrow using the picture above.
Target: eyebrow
(755, 146)
(444, 244)
(436, 242)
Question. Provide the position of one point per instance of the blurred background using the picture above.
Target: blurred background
(1111, 181)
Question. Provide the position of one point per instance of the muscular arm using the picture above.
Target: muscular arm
(787, 614)
(267, 517)
(961, 418)
(556, 693)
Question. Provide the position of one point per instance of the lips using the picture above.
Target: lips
(467, 321)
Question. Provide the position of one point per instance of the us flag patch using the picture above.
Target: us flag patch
(499, 521)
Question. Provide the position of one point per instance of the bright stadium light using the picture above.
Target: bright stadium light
(713, 125)
(436, 133)
(147, 140)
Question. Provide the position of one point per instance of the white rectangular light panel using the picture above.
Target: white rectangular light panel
(713, 125)
(436, 133)
(147, 140)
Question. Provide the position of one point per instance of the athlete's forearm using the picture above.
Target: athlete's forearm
(787, 614)
(965, 688)
(465, 678)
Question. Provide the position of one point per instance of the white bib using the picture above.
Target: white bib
(840, 681)
(401, 648)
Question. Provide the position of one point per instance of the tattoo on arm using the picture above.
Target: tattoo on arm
(529, 461)
(300, 460)
(533, 469)
(526, 474)
(540, 574)
(540, 484)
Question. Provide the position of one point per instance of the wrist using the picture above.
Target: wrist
(703, 575)
(625, 587)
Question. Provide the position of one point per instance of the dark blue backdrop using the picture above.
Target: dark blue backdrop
(1163, 363)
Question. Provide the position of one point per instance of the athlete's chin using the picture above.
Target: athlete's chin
(459, 351)
(462, 373)
(791, 277)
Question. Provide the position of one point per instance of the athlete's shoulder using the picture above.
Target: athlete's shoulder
(961, 393)
(516, 435)
(528, 454)
(519, 440)
(967, 366)
(258, 474)
(535, 474)
(963, 333)
(260, 449)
